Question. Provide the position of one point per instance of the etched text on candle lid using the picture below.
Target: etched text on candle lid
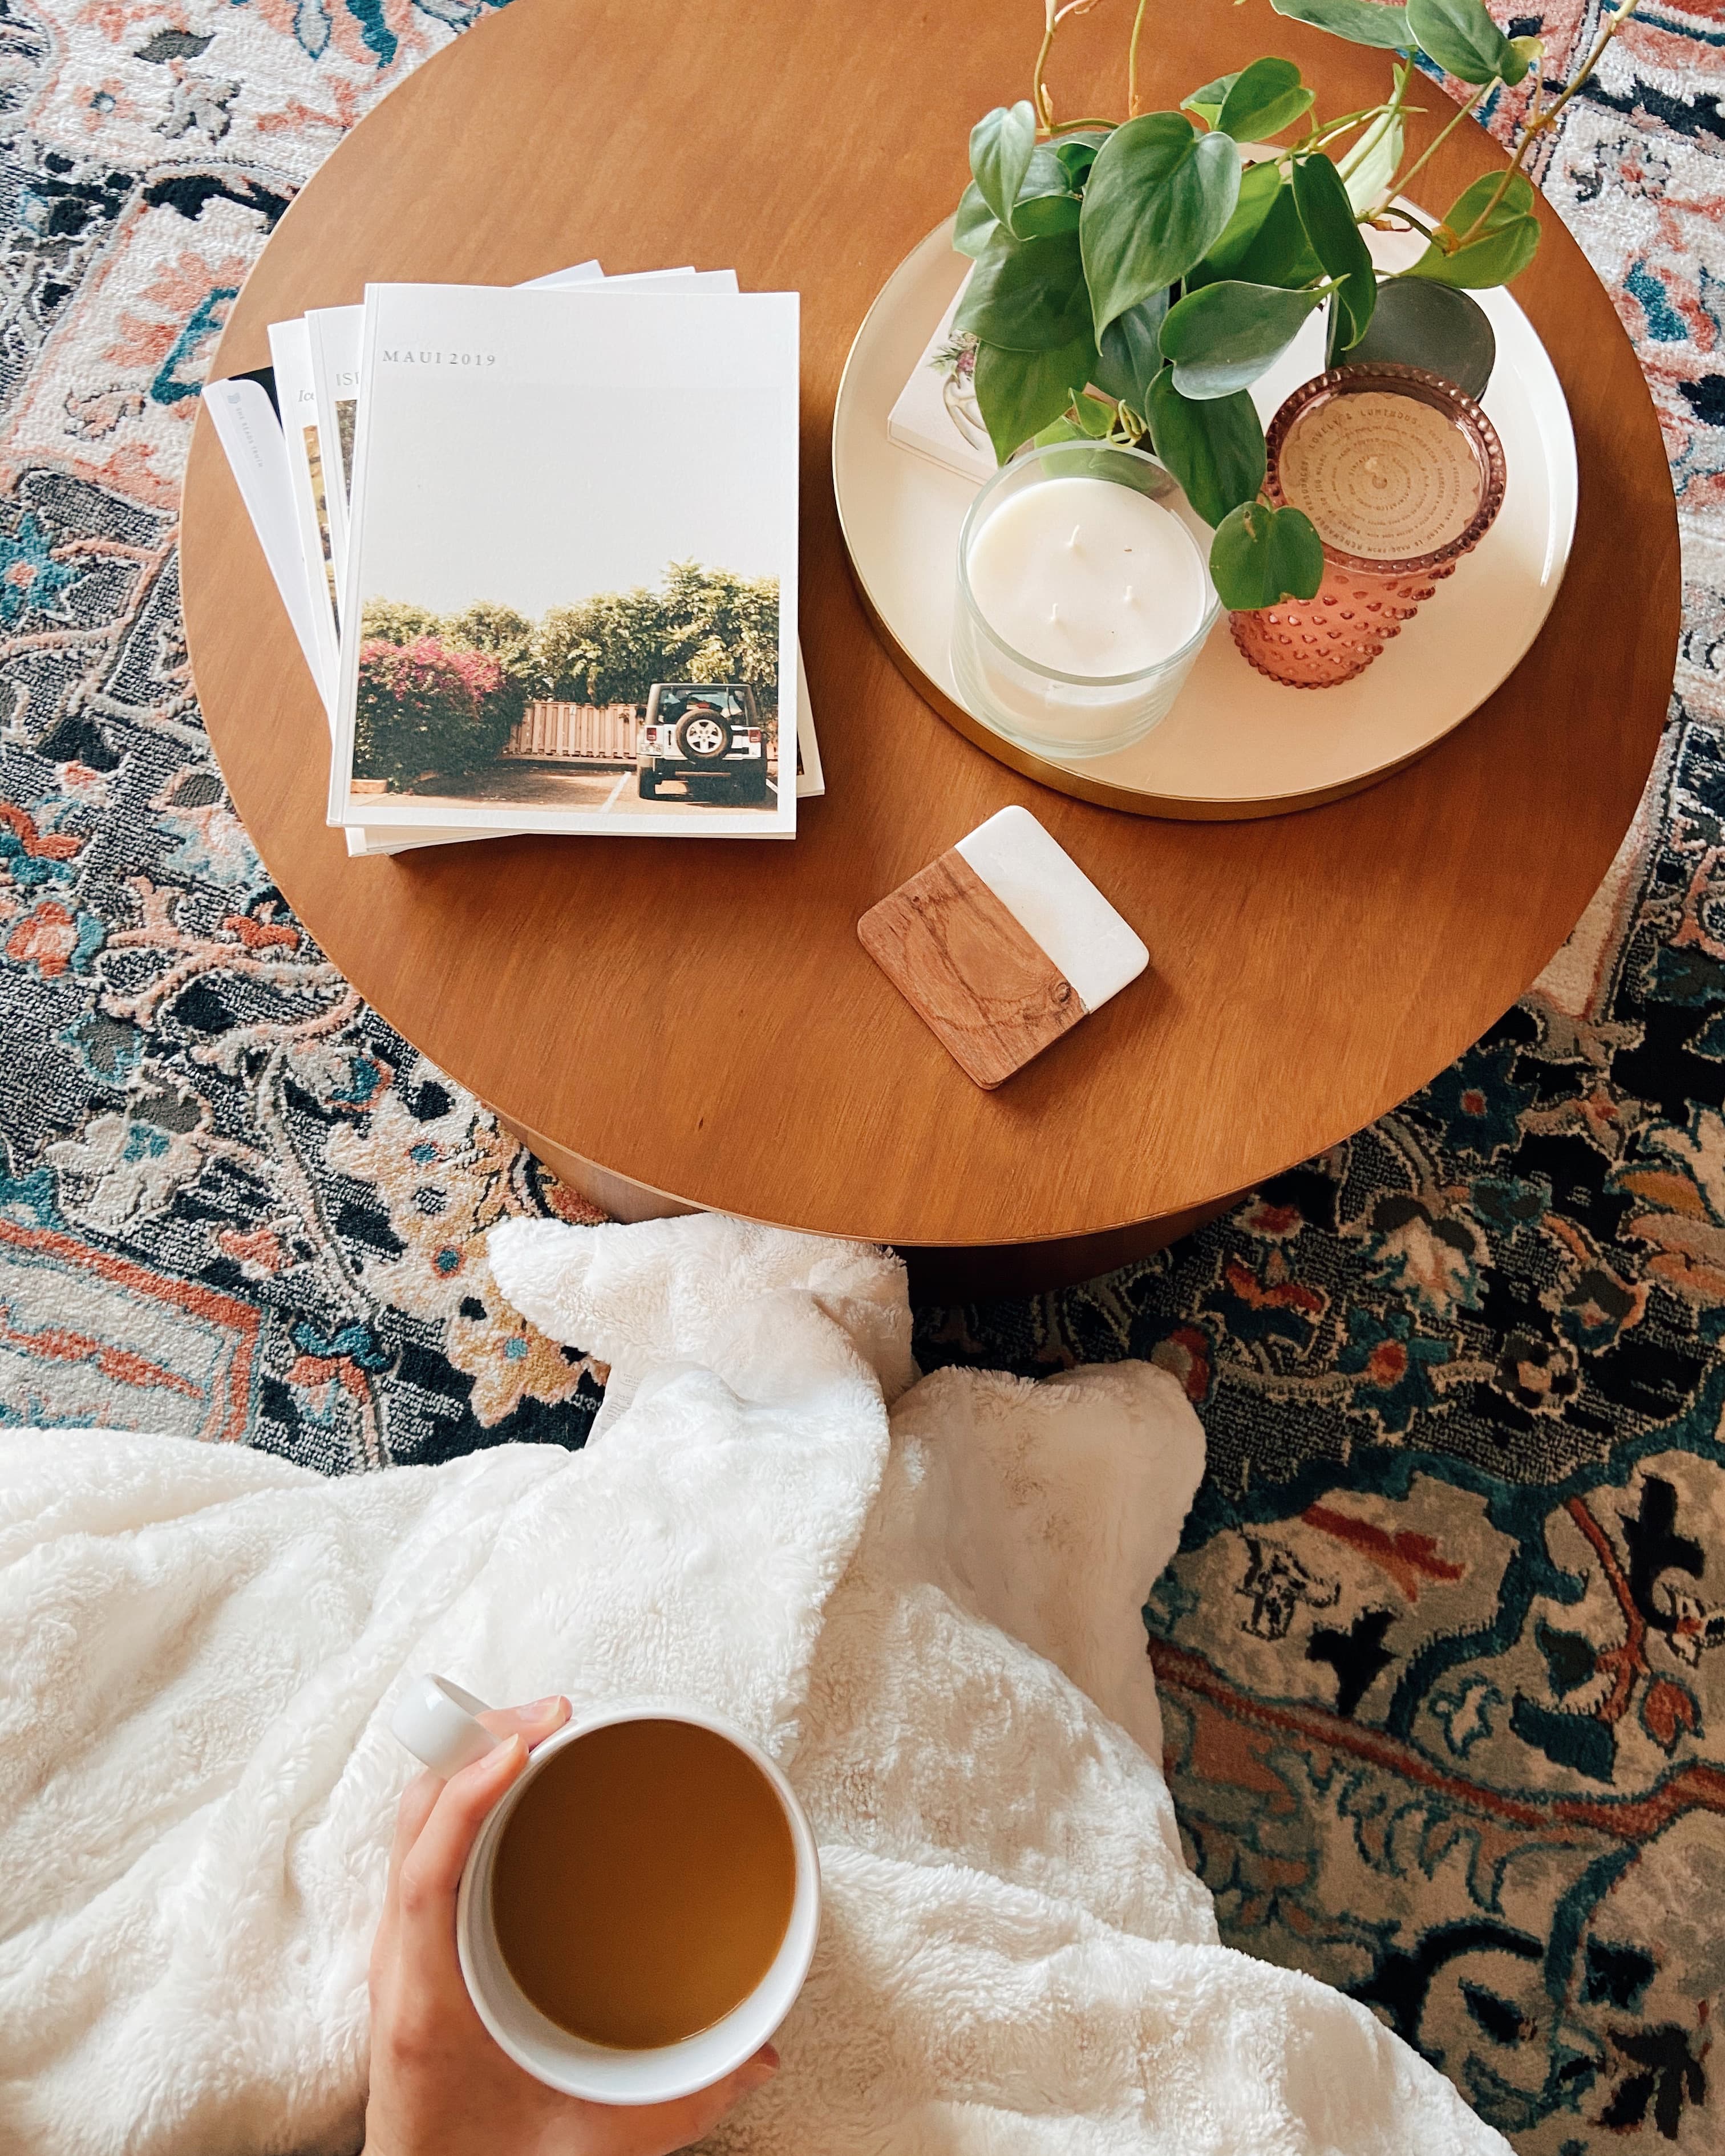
(1382, 476)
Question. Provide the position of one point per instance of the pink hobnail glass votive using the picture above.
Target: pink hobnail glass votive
(1330, 456)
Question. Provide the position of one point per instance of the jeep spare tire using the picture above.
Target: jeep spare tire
(703, 737)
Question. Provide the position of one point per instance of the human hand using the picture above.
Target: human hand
(440, 2085)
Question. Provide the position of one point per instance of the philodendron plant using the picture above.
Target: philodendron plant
(1134, 280)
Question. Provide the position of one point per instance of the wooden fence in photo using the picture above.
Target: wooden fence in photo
(597, 733)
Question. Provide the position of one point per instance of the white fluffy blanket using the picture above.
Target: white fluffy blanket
(931, 1617)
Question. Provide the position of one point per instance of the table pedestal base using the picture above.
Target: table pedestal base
(948, 1273)
(941, 1273)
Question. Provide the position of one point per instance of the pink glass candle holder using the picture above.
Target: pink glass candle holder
(1398, 498)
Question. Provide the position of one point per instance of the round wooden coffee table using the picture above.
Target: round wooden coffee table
(675, 1023)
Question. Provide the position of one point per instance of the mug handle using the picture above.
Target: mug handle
(434, 1719)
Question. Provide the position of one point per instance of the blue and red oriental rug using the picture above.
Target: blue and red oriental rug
(1439, 1658)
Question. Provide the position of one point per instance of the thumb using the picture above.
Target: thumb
(535, 1722)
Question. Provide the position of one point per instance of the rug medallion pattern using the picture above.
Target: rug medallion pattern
(1446, 1714)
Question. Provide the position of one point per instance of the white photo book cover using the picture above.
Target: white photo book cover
(571, 564)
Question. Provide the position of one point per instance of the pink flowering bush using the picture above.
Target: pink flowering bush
(427, 707)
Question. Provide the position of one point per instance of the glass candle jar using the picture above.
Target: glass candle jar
(1402, 474)
(1084, 598)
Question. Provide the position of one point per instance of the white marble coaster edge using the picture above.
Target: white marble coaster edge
(1055, 903)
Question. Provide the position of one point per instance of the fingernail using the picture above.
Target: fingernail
(503, 1759)
(544, 1707)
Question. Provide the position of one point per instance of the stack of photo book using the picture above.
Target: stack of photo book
(538, 545)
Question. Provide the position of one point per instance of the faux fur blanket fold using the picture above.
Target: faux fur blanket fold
(922, 1597)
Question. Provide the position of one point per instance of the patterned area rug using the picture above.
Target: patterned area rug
(1447, 1723)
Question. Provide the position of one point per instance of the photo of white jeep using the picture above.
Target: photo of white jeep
(704, 738)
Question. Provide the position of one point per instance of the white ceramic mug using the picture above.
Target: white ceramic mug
(435, 1720)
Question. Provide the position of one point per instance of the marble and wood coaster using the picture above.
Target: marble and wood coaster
(1001, 945)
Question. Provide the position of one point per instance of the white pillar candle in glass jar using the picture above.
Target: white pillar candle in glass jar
(1083, 599)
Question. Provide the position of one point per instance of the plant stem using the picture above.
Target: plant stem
(1038, 89)
(1310, 145)
(1132, 63)
(1542, 122)
(1419, 224)
(1329, 128)
(1620, 16)
(1053, 15)
(1404, 180)
(1504, 178)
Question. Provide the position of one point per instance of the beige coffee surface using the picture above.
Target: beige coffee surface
(643, 1883)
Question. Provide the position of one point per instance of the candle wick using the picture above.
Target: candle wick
(1054, 613)
(1130, 600)
(1073, 541)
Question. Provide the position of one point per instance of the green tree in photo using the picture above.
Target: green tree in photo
(728, 622)
(608, 649)
(454, 687)
(701, 626)
(394, 622)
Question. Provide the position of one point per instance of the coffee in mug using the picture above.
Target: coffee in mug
(639, 1909)
(642, 1886)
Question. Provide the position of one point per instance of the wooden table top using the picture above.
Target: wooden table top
(698, 1015)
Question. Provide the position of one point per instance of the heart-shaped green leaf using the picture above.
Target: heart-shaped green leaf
(1278, 252)
(1057, 431)
(1207, 103)
(1259, 186)
(1158, 197)
(1077, 152)
(1086, 418)
(1045, 203)
(1222, 337)
(1361, 21)
(1130, 354)
(977, 224)
(1039, 217)
(1262, 556)
(1000, 145)
(1263, 100)
(1420, 323)
(1328, 216)
(1094, 418)
(1215, 450)
(1020, 392)
(1028, 295)
(1502, 248)
(1528, 52)
(1462, 38)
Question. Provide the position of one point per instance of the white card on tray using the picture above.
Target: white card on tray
(936, 414)
(538, 401)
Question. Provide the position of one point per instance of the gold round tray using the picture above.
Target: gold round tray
(1234, 745)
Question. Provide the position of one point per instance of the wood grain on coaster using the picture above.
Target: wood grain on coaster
(987, 991)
